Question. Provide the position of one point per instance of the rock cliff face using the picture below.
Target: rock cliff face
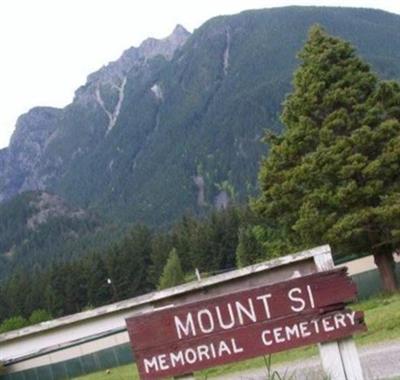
(105, 87)
(3, 159)
(21, 161)
(49, 206)
(31, 162)
(174, 125)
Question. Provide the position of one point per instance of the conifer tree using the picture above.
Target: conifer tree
(161, 245)
(334, 175)
(172, 273)
(249, 250)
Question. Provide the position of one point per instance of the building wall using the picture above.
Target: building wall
(364, 264)
(369, 283)
(115, 356)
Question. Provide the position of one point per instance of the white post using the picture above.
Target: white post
(351, 359)
(197, 274)
(332, 361)
(340, 359)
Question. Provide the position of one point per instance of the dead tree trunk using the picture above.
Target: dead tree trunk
(386, 267)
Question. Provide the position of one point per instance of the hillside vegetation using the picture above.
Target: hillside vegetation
(37, 228)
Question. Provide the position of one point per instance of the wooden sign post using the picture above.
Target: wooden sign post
(262, 320)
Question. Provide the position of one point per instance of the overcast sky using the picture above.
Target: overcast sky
(48, 47)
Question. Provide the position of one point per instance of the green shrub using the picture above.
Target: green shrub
(38, 316)
(13, 323)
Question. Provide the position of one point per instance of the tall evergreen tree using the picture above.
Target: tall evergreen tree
(249, 250)
(161, 245)
(334, 175)
(99, 291)
(172, 273)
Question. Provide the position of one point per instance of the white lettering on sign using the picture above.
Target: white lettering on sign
(307, 328)
(327, 325)
(249, 312)
(265, 339)
(151, 364)
(162, 359)
(192, 355)
(187, 329)
(292, 331)
(316, 326)
(223, 347)
(297, 300)
(176, 358)
(310, 296)
(208, 319)
(352, 317)
(340, 320)
(206, 324)
(277, 335)
(238, 313)
(264, 298)
(203, 352)
(225, 324)
(304, 332)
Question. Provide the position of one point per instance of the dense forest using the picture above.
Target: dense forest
(39, 228)
(128, 268)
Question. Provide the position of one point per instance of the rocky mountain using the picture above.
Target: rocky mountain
(29, 162)
(175, 124)
(22, 159)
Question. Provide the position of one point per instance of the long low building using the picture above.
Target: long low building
(97, 339)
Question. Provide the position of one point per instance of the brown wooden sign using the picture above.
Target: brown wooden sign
(246, 324)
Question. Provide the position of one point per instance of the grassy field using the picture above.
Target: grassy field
(382, 315)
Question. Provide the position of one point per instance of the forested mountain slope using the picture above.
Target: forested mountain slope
(175, 124)
(38, 227)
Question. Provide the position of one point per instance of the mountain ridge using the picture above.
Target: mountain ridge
(181, 131)
(36, 128)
